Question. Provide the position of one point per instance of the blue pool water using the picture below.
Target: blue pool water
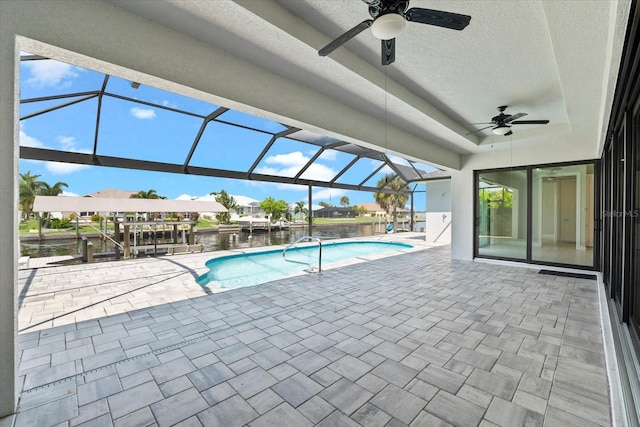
(237, 271)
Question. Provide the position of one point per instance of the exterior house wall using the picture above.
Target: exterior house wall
(438, 211)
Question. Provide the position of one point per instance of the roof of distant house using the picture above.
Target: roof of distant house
(334, 208)
(246, 201)
(115, 204)
(112, 193)
(371, 207)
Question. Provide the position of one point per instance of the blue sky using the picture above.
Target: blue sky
(130, 129)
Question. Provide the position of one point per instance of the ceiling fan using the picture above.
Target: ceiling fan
(389, 19)
(501, 124)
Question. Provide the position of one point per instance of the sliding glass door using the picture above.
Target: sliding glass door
(539, 214)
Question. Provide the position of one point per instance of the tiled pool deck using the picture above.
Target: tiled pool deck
(414, 339)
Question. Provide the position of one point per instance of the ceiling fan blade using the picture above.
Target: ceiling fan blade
(388, 51)
(345, 37)
(515, 116)
(530, 122)
(478, 130)
(508, 133)
(454, 21)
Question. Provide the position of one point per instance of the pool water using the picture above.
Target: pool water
(237, 271)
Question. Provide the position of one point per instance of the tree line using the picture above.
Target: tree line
(31, 186)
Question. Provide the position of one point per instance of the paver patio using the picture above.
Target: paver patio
(414, 339)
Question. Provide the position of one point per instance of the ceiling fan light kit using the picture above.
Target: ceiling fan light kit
(501, 130)
(389, 26)
(390, 18)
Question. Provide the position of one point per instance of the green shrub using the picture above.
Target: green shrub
(95, 217)
(60, 223)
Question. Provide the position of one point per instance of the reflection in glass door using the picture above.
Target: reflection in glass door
(501, 210)
(563, 214)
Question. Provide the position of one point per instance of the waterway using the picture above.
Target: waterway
(212, 241)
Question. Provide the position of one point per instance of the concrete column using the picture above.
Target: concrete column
(9, 131)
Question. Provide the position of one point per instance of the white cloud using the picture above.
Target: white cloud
(29, 141)
(319, 172)
(328, 155)
(142, 113)
(292, 163)
(186, 197)
(69, 194)
(295, 158)
(50, 73)
(330, 193)
(67, 143)
(57, 168)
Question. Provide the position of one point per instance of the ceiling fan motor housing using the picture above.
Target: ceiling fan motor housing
(389, 6)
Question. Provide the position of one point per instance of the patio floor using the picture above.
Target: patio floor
(414, 339)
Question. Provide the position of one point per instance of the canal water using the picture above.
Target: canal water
(212, 241)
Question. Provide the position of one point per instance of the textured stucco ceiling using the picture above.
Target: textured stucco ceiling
(550, 59)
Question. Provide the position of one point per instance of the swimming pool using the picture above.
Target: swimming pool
(237, 271)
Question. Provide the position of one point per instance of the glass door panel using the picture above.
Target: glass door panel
(563, 214)
(501, 209)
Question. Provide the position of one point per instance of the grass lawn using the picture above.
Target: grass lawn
(25, 226)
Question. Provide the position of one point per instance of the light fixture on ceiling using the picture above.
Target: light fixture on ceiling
(501, 129)
(135, 85)
(388, 26)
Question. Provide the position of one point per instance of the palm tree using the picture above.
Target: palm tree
(29, 188)
(344, 201)
(391, 201)
(226, 200)
(51, 190)
(151, 194)
(300, 209)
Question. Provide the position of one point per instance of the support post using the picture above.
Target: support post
(310, 210)
(412, 214)
(116, 229)
(175, 234)
(127, 244)
(191, 234)
(84, 250)
(77, 227)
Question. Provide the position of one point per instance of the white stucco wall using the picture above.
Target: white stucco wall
(438, 211)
